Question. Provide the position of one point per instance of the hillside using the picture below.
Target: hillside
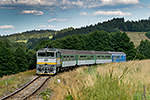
(91, 82)
(34, 37)
(136, 37)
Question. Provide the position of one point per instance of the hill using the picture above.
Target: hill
(34, 37)
(113, 25)
(126, 82)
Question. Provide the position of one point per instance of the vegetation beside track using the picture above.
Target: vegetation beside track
(125, 82)
(10, 83)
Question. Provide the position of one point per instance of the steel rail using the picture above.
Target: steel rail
(29, 95)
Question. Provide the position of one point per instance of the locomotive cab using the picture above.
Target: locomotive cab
(47, 61)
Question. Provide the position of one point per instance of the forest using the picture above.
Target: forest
(96, 41)
(15, 58)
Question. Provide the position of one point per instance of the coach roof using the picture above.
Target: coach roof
(82, 52)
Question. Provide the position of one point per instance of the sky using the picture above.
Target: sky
(18, 16)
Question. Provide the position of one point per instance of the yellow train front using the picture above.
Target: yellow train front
(48, 61)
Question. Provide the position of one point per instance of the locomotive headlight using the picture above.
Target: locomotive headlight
(39, 69)
(40, 65)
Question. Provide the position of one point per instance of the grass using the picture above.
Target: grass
(126, 83)
(15, 81)
(136, 37)
(94, 82)
(25, 41)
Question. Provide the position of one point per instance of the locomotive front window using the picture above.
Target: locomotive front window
(41, 54)
(50, 54)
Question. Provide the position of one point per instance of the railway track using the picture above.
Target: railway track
(28, 89)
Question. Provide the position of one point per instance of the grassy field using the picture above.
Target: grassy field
(96, 83)
(136, 37)
(113, 81)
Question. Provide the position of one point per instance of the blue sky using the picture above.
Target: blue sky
(18, 16)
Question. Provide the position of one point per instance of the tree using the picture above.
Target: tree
(31, 58)
(7, 65)
(21, 60)
(140, 56)
(144, 48)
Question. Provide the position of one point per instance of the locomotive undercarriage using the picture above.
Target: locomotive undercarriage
(46, 69)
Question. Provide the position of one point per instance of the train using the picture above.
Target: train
(51, 60)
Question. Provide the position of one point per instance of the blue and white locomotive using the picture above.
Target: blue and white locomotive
(51, 60)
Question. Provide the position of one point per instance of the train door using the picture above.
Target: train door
(58, 56)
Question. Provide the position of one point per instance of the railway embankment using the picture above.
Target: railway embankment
(113, 81)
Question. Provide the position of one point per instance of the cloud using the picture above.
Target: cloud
(148, 14)
(53, 5)
(31, 12)
(117, 2)
(84, 14)
(6, 8)
(7, 27)
(44, 26)
(109, 13)
(55, 19)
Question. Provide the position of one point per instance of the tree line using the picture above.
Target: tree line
(94, 41)
(114, 25)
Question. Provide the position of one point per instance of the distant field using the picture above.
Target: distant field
(25, 41)
(136, 37)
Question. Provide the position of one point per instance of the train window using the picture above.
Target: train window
(107, 57)
(99, 57)
(81, 57)
(41, 54)
(64, 58)
(85, 56)
(72, 58)
(67, 57)
(118, 57)
(58, 54)
(50, 54)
